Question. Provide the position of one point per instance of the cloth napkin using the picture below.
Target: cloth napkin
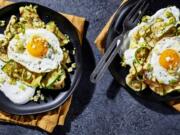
(100, 42)
(49, 120)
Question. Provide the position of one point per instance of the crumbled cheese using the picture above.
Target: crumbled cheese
(38, 96)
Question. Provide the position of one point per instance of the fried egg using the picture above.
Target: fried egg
(37, 49)
(18, 93)
(165, 60)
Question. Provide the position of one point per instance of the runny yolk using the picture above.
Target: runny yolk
(37, 47)
(169, 59)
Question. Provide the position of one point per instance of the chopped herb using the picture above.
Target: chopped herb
(159, 20)
(70, 69)
(123, 63)
(168, 14)
(16, 37)
(149, 67)
(170, 71)
(145, 18)
(172, 81)
(19, 46)
(171, 20)
(22, 87)
(160, 81)
(2, 80)
(12, 81)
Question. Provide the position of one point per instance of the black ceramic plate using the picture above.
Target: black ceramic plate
(115, 68)
(54, 98)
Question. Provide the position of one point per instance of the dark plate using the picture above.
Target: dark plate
(54, 98)
(115, 68)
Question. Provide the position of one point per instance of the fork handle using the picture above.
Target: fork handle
(106, 59)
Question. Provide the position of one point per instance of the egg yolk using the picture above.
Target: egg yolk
(169, 59)
(37, 47)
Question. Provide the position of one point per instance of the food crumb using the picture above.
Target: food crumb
(2, 23)
(38, 96)
(73, 65)
(70, 69)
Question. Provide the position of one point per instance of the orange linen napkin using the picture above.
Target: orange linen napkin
(46, 121)
(100, 42)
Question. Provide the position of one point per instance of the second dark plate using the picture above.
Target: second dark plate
(118, 72)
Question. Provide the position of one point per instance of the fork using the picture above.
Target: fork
(130, 21)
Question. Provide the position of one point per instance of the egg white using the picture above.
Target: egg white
(39, 65)
(13, 92)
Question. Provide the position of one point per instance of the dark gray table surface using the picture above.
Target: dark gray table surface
(104, 108)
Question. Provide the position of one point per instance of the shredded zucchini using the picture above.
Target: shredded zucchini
(17, 72)
(52, 78)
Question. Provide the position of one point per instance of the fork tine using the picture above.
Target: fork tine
(141, 14)
(133, 11)
(137, 12)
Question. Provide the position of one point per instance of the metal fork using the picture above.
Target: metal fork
(130, 21)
